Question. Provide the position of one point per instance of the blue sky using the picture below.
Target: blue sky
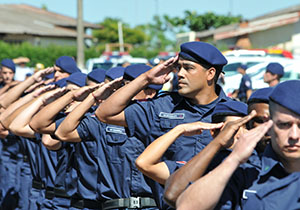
(136, 12)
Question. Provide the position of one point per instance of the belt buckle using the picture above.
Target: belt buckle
(134, 202)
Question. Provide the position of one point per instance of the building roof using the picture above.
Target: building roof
(26, 19)
(264, 22)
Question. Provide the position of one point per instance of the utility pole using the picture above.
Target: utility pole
(120, 33)
(80, 35)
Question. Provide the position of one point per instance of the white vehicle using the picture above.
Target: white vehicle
(106, 62)
(233, 78)
(244, 53)
(291, 71)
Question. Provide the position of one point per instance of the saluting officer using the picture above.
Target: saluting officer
(263, 184)
(115, 179)
(199, 66)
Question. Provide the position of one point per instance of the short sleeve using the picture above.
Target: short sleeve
(174, 165)
(86, 126)
(139, 117)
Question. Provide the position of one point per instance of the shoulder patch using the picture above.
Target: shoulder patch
(248, 83)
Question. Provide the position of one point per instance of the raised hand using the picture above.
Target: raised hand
(34, 86)
(107, 89)
(52, 95)
(226, 136)
(38, 76)
(247, 142)
(83, 92)
(196, 128)
(42, 90)
(160, 73)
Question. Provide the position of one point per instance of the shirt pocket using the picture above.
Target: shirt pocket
(168, 124)
(114, 146)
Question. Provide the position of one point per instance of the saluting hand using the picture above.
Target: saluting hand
(107, 89)
(83, 92)
(52, 95)
(42, 90)
(247, 142)
(196, 128)
(226, 136)
(38, 76)
(160, 73)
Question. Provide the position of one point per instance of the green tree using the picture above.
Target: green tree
(109, 33)
(196, 22)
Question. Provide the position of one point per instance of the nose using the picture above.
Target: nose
(180, 72)
(294, 132)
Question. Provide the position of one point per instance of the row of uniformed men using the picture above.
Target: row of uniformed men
(99, 172)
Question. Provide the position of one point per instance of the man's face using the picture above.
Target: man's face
(192, 78)
(269, 77)
(7, 75)
(263, 115)
(285, 134)
(59, 73)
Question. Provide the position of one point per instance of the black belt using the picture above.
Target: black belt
(49, 194)
(60, 193)
(25, 158)
(85, 203)
(13, 156)
(131, 203)
(38, 185)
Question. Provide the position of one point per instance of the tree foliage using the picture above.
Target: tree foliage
(200, 22)
(109, 33)
(38, 54)
(158, 35)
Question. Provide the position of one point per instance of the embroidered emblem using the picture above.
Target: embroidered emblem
(113, 129)
(174, 116)
(245, 192)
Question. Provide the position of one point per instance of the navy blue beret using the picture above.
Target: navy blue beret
(49, 76)
(275, 68)
(115, 72)
(77, 78)
(67, 64)
(60, 83)
(97, 75)
(203, 53)
(9, 64)
(260, 96)
(230, 108)
(133, 71)
(243, 66)
(287, 94)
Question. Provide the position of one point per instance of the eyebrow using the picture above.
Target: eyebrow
(187, 64)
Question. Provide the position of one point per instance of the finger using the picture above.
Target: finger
(209, 126)
(246, 119)
(257, 133)
(169, 62)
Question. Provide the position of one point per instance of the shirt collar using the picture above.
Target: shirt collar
(219, 91)
(269, 160)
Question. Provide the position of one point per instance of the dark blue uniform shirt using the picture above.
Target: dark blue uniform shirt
(115, 174)
(261, 177)
(148, 120)
(245, 85)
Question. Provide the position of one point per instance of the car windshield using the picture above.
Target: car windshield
(105, 66)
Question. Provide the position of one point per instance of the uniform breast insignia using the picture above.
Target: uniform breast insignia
(175, 116)
(115, 129)
(246, 192)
